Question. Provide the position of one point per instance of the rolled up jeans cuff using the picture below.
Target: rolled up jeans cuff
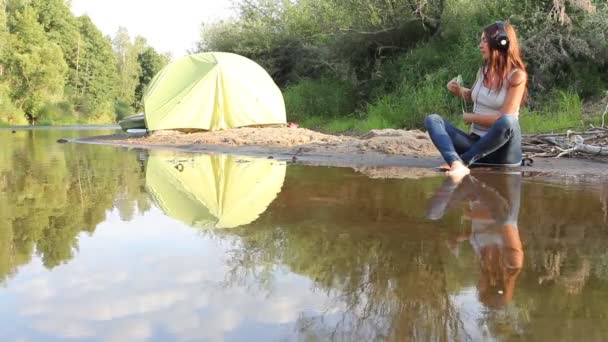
(450, 157)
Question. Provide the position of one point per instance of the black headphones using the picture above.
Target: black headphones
(500, 40)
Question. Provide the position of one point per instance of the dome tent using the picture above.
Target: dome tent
(212, 91)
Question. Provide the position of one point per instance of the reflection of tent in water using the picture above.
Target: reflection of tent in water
(213, 191)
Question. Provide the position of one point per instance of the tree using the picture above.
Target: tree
(3, 36)
(127, 67)
(61, 27)
(35, 64)
(150, 63)
(97, 72)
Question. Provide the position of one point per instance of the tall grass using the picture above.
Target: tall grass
(561, 110)
(325, 98)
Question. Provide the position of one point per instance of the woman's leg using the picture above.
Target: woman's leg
(449, 140)
(501, 145)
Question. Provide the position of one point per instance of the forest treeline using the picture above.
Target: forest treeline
(57, 68)
(384, 63)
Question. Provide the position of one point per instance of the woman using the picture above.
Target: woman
(498, 92)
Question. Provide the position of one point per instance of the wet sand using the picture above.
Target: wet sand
(379, 153)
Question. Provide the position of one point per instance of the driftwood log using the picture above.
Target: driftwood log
(593, 142)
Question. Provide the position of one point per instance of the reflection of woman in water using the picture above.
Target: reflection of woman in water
(493, 208)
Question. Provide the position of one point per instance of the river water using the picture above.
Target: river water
(106, 243)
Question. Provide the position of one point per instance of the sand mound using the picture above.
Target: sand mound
(395, 141)
(268, 136)
(385, 141)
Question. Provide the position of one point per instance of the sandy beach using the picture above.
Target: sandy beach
(387, 153)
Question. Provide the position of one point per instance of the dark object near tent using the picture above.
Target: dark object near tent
(133, 122)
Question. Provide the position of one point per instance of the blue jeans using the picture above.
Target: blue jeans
(500, 146)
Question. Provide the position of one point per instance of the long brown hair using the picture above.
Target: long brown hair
(502, 62)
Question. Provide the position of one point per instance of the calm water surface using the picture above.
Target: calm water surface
(103, 243)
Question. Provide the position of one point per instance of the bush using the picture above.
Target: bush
(122, 110)
(45, 122)
(9, 114)
(560, 111)
(324, 98)
(61, 113)
(408, 107)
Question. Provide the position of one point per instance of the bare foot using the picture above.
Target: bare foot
(457, 171)
(445, 167)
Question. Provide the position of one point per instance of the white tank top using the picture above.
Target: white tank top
(488, 101)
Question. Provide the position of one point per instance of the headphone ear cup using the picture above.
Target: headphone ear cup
(503, 42)
(501, 39)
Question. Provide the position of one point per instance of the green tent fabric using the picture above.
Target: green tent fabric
(213, 191)
(212, 91)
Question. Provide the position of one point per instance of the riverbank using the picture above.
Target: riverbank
(387, 153)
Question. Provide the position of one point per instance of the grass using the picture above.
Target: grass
(326, 98)
(535, 122)
(560, 110)
(563, 110)
(339, 125)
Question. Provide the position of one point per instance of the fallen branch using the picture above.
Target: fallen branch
(558, 145)
(584, 148)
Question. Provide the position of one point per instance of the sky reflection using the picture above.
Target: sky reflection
(149, 278)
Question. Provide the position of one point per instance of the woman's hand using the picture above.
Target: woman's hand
(468, 117)
(455, 88)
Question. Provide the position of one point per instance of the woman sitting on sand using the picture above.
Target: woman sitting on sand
(498, 91)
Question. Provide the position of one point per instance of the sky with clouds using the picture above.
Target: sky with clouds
(169, 26)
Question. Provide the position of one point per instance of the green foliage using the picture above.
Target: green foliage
(373, 121)
(60, 113)
(560, 111)
(312, 121)
(9, 114)
(397, 56)
(93, 89)
(126, 64)
(326, 98)
(122, 110)
(61, 28)
(309, 38)
(150, 64)
(37, 63)
(408, 107)
(49, 58)
(339, 125)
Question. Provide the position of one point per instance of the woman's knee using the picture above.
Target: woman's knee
(432, 119)
(508, 121)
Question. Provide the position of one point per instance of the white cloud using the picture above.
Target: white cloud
(57, 327)
(130, 330)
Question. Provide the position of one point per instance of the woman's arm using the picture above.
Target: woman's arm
(515, 93)
(459, 91)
